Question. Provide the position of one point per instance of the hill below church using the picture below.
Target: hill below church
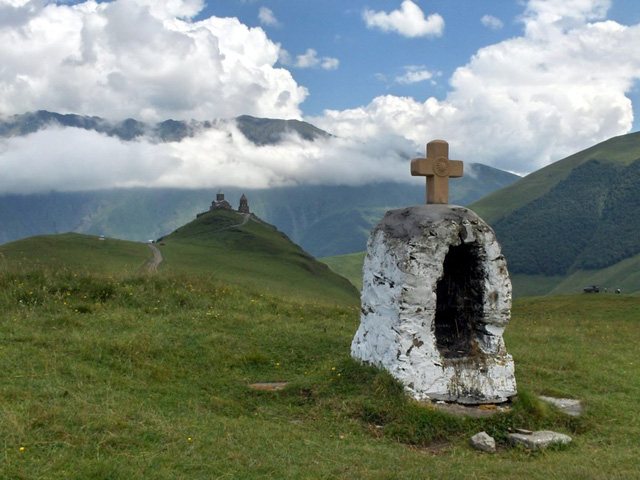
(225, 246)
(244, 250)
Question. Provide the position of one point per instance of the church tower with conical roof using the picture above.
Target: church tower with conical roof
(244, 205)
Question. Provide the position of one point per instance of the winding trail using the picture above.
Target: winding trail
(247, 217)
(152, 265)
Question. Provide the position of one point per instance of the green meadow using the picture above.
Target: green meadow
(115, 372)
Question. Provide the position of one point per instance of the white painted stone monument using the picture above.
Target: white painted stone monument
(436, 297)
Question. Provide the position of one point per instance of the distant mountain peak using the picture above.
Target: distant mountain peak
(260, 131)
(267, 131)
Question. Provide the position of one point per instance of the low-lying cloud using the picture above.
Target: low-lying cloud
(78, 159)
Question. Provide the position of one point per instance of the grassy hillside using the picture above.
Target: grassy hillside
(349, 266)
(221, 245)
(77, 252)
(580, 223)
(622, 150)
(624, 275)
(215, 245)
(572, 221)
(148, 376)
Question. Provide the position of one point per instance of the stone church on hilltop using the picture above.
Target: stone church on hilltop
(221, 204)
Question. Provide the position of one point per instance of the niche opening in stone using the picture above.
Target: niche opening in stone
(459, 293)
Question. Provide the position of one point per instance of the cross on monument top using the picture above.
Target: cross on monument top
(438, 169)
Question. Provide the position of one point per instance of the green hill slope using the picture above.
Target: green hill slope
(349, 266)
(75, 251)
(565, 223)
(243, 250)
(219, 245)
(622, 150)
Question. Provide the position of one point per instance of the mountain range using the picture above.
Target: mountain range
(261, 131)
(566, 226)
(325, 220)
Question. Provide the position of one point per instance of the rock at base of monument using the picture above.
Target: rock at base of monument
(484, 442)
(538, 440)
(484, 410)
(436, 298)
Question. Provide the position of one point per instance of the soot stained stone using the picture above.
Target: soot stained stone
(458, 301)
(436, 298)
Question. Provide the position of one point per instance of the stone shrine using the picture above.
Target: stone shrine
(436, 297)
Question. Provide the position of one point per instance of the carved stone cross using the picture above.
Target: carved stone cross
(437, 168)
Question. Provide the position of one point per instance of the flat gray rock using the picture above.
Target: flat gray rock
(569, 406)
(484, 442)
(538, 440)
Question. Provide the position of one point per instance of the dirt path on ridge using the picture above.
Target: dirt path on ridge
(152, 265)
(245, 220)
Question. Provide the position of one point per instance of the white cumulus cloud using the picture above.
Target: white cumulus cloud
(267, 17)
(559, 87)
(78, 159)
(72, 159)
(491, 22)
(524, 102)
(139, 58)
(408, 21)
(414, 74)
(309, 59)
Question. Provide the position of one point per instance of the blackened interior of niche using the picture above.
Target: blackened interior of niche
(459, 309)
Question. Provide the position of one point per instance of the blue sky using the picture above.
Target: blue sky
(372, 61)
(515, 84)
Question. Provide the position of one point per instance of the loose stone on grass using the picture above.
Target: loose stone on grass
(269, 386)
(569, 406)
(538, 440)
(484, 442)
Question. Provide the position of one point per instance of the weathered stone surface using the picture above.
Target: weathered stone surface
(269, 386)
(569, 406)
(483, 410)
(538, 440)
(436, 298)
(484, 442)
